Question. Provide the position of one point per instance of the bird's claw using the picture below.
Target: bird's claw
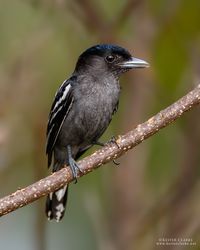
(113, 140)
(73, 165)
(75, 169)
(116, 163)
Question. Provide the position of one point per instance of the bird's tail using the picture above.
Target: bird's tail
(56, 203)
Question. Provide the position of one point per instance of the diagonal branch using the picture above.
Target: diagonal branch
(109, 152)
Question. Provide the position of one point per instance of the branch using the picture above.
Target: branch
(109, 152)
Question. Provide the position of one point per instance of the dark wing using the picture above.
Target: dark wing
(59, 110)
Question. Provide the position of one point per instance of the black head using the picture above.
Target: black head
(107, 58)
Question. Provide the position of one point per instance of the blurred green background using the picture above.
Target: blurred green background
(154, 193)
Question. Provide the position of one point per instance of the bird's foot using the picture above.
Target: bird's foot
(116, 163)
(73, 165)
(113, 140)
(74, 168)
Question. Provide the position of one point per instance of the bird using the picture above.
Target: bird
(82, 109)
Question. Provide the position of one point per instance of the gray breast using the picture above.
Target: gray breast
(98, 106)
(90, 114)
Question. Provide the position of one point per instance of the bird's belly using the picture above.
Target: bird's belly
(95, 120)
(84, 126)
(89, 117)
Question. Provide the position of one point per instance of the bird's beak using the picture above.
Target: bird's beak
(134, 63)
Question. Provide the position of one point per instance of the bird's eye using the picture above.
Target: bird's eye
(110, 58)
